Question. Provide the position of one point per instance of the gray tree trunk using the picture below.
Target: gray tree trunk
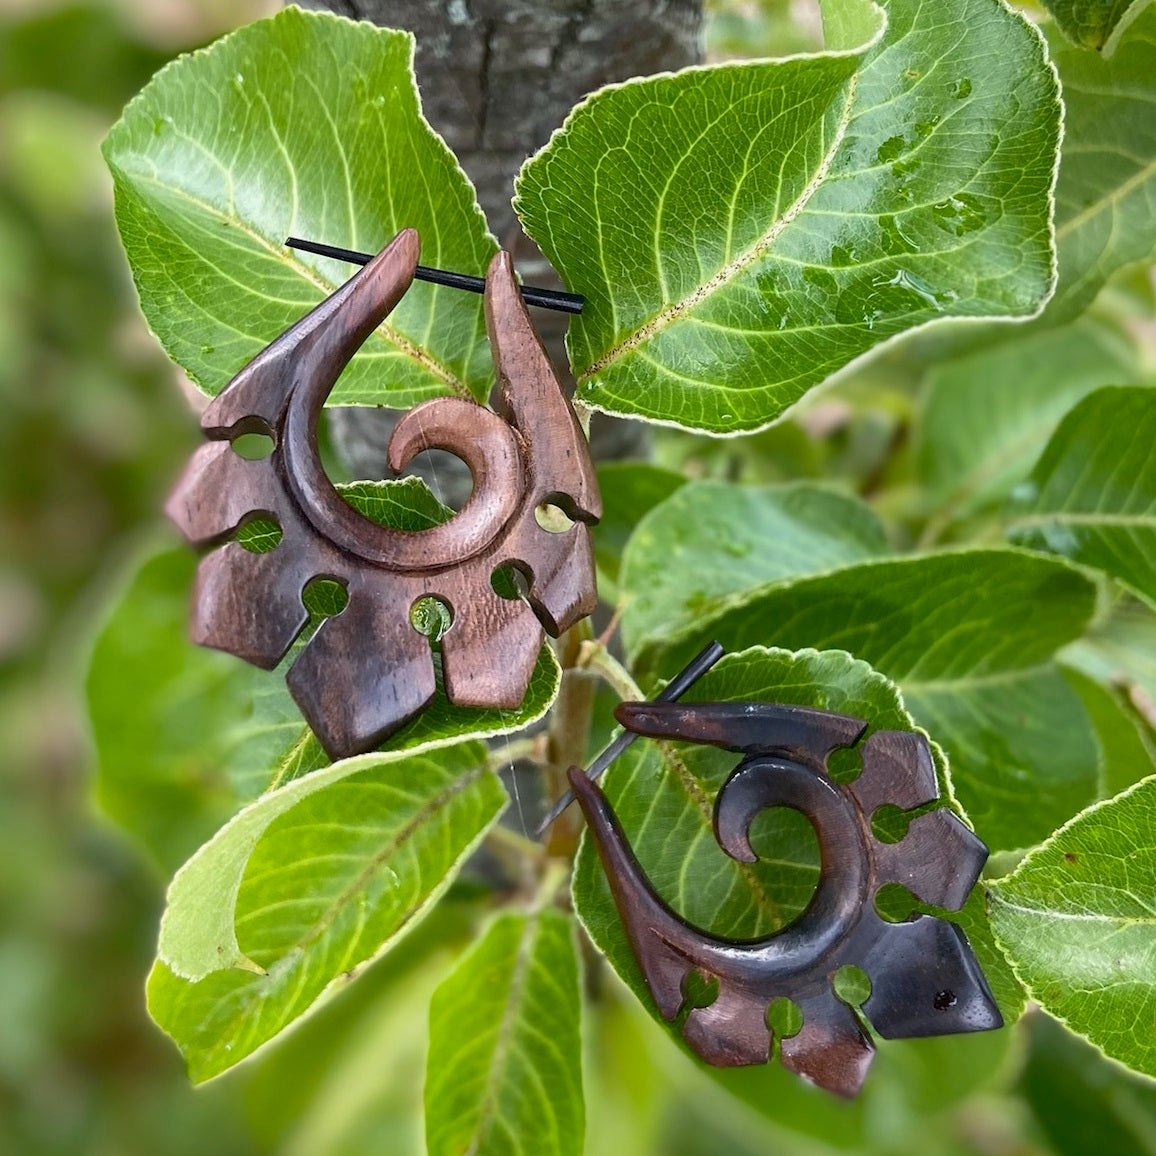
(496, 78)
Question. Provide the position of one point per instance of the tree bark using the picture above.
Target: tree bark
(496, 78)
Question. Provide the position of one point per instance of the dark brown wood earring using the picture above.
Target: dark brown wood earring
(367, 670)
(925, 980)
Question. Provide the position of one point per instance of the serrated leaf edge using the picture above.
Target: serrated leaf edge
(855, 363)
(248, 826)
(991, 890)
(643, 654)
(412, 919)
(403, 344)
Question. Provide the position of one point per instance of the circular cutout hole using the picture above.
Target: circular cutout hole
(844, 765)
(259, 535)
(784, 1017)
(851, 984)
(889, 823)
(785, 839)
(699, 990)
(894, 903)
(553, 519)
(252, 446)
(324, 597)
(431, 616)
(944, 999)
(510, 583)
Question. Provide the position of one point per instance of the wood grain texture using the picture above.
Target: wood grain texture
(367, 669)
(924, 977)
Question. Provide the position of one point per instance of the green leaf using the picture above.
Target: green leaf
(1092, 496)
(1083, 1102)
(1125, 742)
(505, 1061)
(1106, 193)
(402, 504)
(969, 637)
(357, 1066)
(987, 416)
(664, 797)
(629, 490)
(1076, 921)
(710, 541)
(184, 735)
(1119, 648)
(1094, 24)
(301, 124)
(741, 232)
(306, 886)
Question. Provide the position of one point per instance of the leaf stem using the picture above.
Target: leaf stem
(593, 656)
(554, 878)
(505, 839)
(569, 732)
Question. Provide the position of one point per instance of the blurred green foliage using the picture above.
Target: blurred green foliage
(95, 427)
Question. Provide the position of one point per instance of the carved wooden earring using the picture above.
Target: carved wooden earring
(925, 979)
(367, 670)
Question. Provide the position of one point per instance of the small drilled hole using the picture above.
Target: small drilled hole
(844, 765)
(252, 446)
(699, 990)
(851, 984)
(259, 535)
(784, 1017)
(552, 518)
(431, 616)
(894, 903)
(889, 823)
(510, 583)
(944, 999)
(324, 597)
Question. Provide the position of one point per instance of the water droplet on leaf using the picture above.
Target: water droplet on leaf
(910, 283)
(894, 239)
(962, 89)
(960, 214)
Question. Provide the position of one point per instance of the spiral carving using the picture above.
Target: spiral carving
(925, 979)
(367, 670)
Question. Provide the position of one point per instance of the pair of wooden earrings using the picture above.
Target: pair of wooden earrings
(367, 671)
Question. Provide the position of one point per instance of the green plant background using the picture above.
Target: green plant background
(96, 426)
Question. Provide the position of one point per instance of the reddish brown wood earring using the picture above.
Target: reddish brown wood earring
(367, 670)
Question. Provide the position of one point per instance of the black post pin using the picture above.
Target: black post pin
(675, 689)
(546, 298)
